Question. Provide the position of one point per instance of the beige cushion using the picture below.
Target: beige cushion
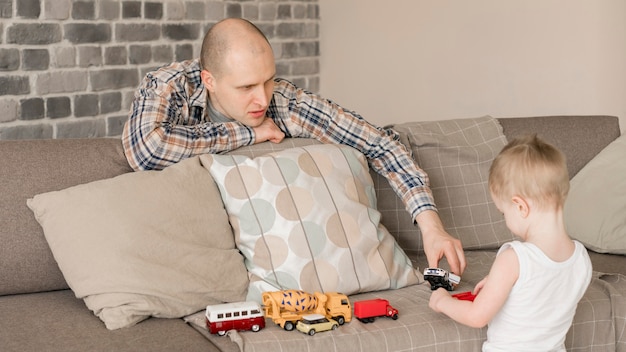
(305, 218)
(151, 243)
(456, 155)
(595, 210)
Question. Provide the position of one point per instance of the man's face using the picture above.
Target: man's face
(244, 88)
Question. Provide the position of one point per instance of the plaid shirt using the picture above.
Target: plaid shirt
(169, 122)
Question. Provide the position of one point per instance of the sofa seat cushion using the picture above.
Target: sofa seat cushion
(148, 243)
(57, 321)
(418, 328)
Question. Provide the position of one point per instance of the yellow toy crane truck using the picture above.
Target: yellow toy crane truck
(287, 307)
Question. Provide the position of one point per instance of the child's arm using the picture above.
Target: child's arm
(497, 286)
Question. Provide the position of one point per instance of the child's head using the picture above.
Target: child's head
(533, 169)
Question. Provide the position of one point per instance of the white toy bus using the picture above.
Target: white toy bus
(234, 316)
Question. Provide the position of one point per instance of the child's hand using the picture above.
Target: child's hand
(437, 297)
(479, 286)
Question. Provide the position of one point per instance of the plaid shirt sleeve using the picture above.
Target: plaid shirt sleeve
(167, 120)
(302, 114)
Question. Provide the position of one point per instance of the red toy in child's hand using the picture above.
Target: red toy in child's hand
(466, 296)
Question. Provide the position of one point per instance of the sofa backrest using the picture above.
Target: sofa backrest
(580, 138)
(30, 167)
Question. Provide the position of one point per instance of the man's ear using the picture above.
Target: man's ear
(521, 205)
(208, 80)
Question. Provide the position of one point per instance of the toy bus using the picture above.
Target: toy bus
(234, 316)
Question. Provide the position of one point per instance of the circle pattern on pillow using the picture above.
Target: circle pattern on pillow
(305, 218)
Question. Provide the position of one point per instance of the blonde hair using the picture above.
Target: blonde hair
(531, 168)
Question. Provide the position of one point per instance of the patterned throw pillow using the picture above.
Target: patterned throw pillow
(305, 218)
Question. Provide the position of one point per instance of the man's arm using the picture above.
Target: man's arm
(164, 128)
(303, 114)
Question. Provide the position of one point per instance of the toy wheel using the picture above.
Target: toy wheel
(256, 328)
(335, 327)
(312, 332)
(394, 317)
(340, 320)
(221, 332)
(289, 326)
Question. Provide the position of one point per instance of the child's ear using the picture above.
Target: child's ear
(521, 205)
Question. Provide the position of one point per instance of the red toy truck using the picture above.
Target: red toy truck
(366, 311)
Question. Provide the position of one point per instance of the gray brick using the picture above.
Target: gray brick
(174, 10)
(299, 11)
(131, 9)
(110, 102)
(32, 109)
(61, 82)
(300, 49)
(181, 31)
(283, 69)
(109, 10)
(84, 10)
(14, 85)
(184, 52)
(115, 55)
(233, 10)
(83, 128)
(283, 12)
(89, 56)
(305, 67)
(80, 33)
(194, 10)
(86, 105)
(35, 59)
(40, 131)
(313, 84)
(137, 32)
(140, 54)
(162, 54)
(6, 8)
(34, 33)
(214, 10)
(57, 9)
(115, 125)
(8, 110)
(250, 12)
(153, 10)
(64, 57)
(58, 107)
(9, 59)
(113, 79)
(313, 11)
(28, 8)
(267, 11)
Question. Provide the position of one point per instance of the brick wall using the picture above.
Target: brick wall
(68, 68)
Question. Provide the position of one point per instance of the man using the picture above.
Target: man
(231, 98)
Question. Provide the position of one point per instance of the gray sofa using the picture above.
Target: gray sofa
(39, 312)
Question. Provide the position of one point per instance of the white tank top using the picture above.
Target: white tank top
(542, 303)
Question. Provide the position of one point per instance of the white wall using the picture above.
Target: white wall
(401, 60)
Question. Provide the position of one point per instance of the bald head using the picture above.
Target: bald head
(226, 36)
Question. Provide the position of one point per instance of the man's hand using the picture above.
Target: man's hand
(268, 131)
(438, 243)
